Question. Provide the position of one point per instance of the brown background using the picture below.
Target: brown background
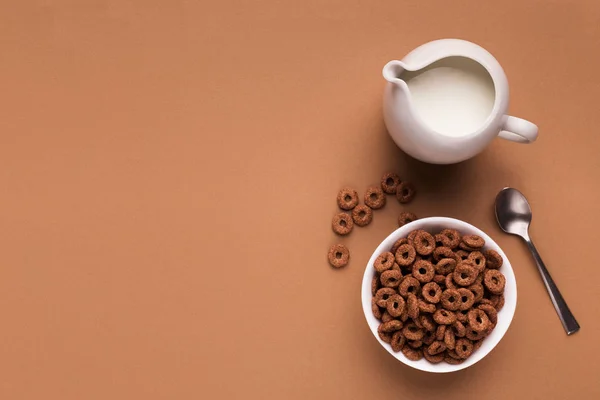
(168, 173)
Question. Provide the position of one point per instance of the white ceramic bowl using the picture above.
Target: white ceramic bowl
(505, 316)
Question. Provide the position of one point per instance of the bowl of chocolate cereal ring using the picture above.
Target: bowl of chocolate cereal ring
(439, 294)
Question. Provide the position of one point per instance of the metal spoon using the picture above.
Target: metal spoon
(514, 216)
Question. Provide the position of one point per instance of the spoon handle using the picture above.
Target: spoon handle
(566, 316)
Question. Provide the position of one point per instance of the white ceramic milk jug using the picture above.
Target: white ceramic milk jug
(447, 100)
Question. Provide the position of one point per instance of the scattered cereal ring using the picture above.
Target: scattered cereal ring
(465, 274)
(342, 223)
(477, 290)
(439, 279)
(427, 322)
(432, 292)
(493, 259)
(405, 192)
(385, 336)
(382, 296)
(395, 305)
(347, 198)
(423, 271)
(362, 215)
(436, 347)
(415, 344)
(477, 258)
(450, 238)
(490, 312)
(459, 329)
(398, 341)
(428, 338)
(445, 266)
(473, 335)
(409, 285)
(406, 218)
(412, 354)
(444, 317)
(464, 348)
(467, 299)
(438, 358)
(390, 182)
(426, 307)
(463, 255)
(412, 332)
(374, 285)
(449, 339)
(385, 317)
(383, 262)
(338, 255)
(405, 255)
(374, 197)
(391, 326)
(397, 244)
(494, 281)
(424, 243)
(473, 241)
(391, 278)
(450, 299)
(478, 320)
(413, 306)
(440, 332)
(375, 308)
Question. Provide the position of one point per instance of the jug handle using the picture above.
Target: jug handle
(518, 130)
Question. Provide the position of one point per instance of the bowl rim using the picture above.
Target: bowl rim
(505, 315)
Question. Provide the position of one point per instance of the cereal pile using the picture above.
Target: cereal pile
(437, 296)
(362, 214)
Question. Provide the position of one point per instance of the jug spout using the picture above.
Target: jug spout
(392, 71)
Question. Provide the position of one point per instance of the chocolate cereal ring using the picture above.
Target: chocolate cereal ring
(450, 238)
(477, 344)
(374, 197)
(459, 329)
(423, 271)
(428, 338)
(440, 332)
(404, 315)
(415, 344)
(490, 312)
(438, 358)
(395, 305)
(444, 252)
(467, 299)
(390, 182)
(413, 306)
(473, 241)
(398, 341)
(436, 347)
(477, 258)
(473, 335)
(412, 332)
(452, 354)
(375, 308)
(405, 192)
(391, 326)
(445, 266)
(432, 292)
(342, 223)
(338, 255)
(382, 296)
(397, 244)
(405, 255)
(478, 320)
(493, 259)
(449, 339)
(412, 354)
(426, 307)
(449, 282)
(385, 336)
(444, 317)
(417, 322)
(494, 281)
(390, 278)
(463, 255)
(477, 290)
(427, 322)
(383, 262)
(424, 243)
(486, 301)
(375, 285)
(396, 267)
(362, 215)
(450, 299)
(385, 317)
(409, 285)
(497, 301)
(347, 198)
(461, 315)
(453, 361)
(465, 274)
(463, 348)
(406, 218)
(439, 279)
